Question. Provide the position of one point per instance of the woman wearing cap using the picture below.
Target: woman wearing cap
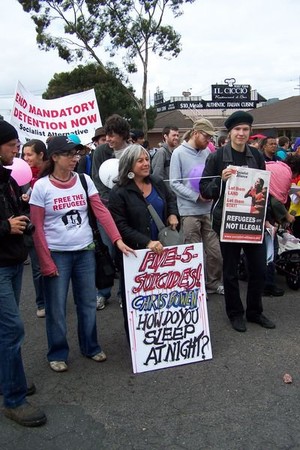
(64, 243)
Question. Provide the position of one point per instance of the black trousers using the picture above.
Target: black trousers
(124, 305)
(296, 227)
(256, 264)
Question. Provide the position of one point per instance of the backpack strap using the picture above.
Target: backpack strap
(92, 218)
(88, 164)
(84, 184)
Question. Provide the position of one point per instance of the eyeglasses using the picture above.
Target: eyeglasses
(72, 153)
(208, 137)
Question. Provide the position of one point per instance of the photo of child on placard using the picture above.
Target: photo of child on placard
(245, 202)
(258, 194)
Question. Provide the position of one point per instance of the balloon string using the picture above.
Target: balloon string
(193, 178)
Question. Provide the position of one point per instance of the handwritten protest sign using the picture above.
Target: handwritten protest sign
(166, 306)
(245, 203)
(36, 118)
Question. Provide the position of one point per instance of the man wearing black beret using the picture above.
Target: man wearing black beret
(237, 153)
(13, 253)
(238, 118)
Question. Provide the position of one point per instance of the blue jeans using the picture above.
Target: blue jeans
(78, 266)
(271, 268)
(38, 279)
(12, 376)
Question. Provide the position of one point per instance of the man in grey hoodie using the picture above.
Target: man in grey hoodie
(185, 171)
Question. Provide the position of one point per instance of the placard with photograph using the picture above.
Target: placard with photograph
(245, 204)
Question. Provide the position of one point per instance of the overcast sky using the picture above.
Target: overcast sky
(256, 42)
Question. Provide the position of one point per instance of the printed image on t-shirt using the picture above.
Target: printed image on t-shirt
(72, 219)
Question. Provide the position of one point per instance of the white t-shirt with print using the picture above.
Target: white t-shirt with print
(66, 223)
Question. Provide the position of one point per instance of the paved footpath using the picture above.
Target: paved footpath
(236, 401)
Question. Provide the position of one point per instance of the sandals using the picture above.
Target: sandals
(61, 366)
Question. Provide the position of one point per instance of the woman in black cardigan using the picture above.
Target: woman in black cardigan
(128, 204)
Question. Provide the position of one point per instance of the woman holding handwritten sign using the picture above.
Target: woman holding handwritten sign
(128, 204)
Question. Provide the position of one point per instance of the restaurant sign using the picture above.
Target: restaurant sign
(204, 104)
(230, 91)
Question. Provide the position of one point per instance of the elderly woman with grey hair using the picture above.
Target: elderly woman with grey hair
(128, 204)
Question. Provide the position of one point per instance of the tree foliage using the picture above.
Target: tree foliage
(109, 93)
(133, 26)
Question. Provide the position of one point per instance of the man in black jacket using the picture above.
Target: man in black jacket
(237, 153)
(117, 134)
(12, 256)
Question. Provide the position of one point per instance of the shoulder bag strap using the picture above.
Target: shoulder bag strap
(158, 222)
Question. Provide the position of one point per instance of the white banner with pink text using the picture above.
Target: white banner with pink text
(36, 118)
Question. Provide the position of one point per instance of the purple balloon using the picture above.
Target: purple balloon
(195, 175)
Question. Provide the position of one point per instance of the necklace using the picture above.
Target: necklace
(141, 186)
(62, 181)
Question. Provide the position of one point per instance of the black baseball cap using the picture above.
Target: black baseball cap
(62, 144)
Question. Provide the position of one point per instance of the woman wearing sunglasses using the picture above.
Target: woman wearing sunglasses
(64, 244)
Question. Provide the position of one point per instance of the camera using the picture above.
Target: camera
(29, 229)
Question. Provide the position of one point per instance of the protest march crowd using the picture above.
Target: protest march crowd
(69, 205)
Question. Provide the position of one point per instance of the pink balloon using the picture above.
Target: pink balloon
(195, 175)
(21, 171)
